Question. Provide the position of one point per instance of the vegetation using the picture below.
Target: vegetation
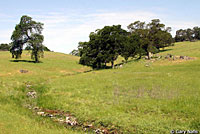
(106, 44)
(187, 34)
(27, 32)
(142, 96)
(133, 99)
(44, 48)
(4, 47)
(103, 47)
(74, 52)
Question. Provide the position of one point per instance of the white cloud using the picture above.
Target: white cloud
(63, 32)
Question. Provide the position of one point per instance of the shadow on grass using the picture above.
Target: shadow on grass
(26, 61)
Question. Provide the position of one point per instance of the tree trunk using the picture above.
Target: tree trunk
(36, 58)
(112, 63)
(148, 55)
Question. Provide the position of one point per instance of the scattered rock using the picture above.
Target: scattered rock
(41, 113)
(105, 131)
(49, 115)
(32, 94)
(185, 58)
(181, 57)
(146, 57)
(28, 86)
(98, 131)
(169, 56)
(71, 121)
(173, 57)
(23, 71)
(147, 65)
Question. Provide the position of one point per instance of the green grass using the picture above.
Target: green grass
(133, 99)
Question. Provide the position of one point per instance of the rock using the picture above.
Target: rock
(36, 108)
(88, 126)
(181, 57)
(32, 94)
(105, 131)
(23, 71)
(150, 54)
(98, 131)
(49, 115)
(71, 121)
(146, 58)
(153, 60)
(121, 66)
(147, 65)
(41, 113)
(28, 85)
(168, 56)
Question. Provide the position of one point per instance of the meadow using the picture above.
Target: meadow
(134, 99)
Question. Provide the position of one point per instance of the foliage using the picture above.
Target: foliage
(152, 36)
(44, 48)
(135, 99)
(27, 32)
(106, 44)
(4, 47)
(187, 34)
(103, 47)
(75, 52)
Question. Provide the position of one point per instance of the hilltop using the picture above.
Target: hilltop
(136, 98)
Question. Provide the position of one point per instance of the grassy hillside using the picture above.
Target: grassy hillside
(157, 98)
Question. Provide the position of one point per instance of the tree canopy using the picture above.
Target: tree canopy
(103, 47)
(152, 36)
(27, 32)
(106, 44)
(4, 47)
(187, 34)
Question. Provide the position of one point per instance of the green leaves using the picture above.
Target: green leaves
(152, 36)
(103, 47)
(27, 32)
(187, 34)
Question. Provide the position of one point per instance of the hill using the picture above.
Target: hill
(141, 97)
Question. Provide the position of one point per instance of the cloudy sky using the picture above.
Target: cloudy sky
(67, 22)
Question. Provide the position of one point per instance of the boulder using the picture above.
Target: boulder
(23, 71)
(32, 94)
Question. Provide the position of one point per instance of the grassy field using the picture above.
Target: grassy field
(135, 99)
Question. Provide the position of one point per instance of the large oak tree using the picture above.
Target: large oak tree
(27, 32)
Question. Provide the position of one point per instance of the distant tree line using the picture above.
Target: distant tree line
(106, 44)
(188, 34)
(4, 47)
(7, 47)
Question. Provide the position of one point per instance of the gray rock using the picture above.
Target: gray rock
(23, 71)
(32, 94)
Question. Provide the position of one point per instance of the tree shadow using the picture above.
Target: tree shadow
(165, 50)
(26, 61)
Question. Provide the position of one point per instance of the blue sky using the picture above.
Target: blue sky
(66, 22)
